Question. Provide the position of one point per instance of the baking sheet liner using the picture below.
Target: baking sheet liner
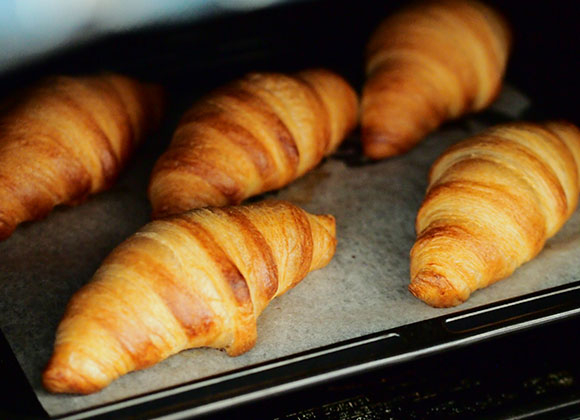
(362, 291)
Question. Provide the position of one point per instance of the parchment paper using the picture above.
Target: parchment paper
(363, 290)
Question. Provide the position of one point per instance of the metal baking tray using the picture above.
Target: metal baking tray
(355, 315)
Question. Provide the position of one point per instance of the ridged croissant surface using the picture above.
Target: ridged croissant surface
(493, 201)
(428, 63)
(69, 137)
(197, 279)
(256, 134)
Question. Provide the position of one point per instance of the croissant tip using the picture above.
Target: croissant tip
(159, 214)
(435, 290)
(328, 218)
(58, 377)
(328, 221)
(5, 230)
(61, 380)
(380, 145)
(166, 211)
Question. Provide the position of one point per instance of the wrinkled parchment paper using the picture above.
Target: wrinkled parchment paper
(363, 290)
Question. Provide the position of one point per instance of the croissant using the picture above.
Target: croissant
(69, 137)
(428, 63)
(492, 202)
(254, 135)
(197, 279)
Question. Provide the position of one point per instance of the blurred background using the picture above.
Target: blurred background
(32, 29)
(178, 41)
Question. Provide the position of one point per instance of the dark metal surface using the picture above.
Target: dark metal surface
(533, 374)
(398, 346)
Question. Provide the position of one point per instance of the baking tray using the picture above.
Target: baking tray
(352, 316)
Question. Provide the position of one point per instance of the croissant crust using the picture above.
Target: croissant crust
(256, 134)
(68, 137)
(430, 62)
(197, 279)
(492, 202)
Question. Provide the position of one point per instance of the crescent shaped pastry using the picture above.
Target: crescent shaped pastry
(254, 135)
(428, 63)
(69, 137)
(197, 279)
(492, 202)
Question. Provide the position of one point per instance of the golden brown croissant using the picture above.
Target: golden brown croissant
(197, 279)
(428, 63)
(493, 201)
(69, 137)
(256, 134)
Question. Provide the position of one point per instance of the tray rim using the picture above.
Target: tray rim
(404, 343)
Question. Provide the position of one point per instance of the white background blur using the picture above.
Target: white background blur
(31, 28)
